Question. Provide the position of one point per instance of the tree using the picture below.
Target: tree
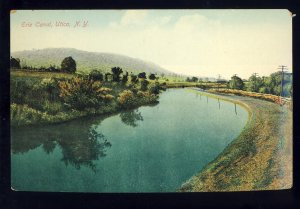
(15, 63)
(272, 84)
(108, 76)
(194, 79)
(68, 65)
(188, 79)
(152, 76)
(133, 78)
(236, 83)
(116, 72)
(255, 83)
(142, 75)
(144, 85)
(96, 75)
(125, 78)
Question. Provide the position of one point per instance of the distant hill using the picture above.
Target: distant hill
(86, 61)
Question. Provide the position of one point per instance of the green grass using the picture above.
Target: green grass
(23, 73)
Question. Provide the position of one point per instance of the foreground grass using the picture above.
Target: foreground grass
(259, 159)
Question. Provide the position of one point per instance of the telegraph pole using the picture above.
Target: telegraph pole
(283, 69)
(255, 74)
(218, 81)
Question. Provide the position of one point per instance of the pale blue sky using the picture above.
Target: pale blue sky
(195, 42)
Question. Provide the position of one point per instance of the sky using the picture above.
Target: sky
(204, 43)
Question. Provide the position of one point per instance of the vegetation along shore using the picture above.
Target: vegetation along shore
(52, 95)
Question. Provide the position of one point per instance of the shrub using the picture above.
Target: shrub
(24, 115)
(144, 85)
(154, 88)
(152, 76)
(125, 78)
(146, 97)
(81, 93)
(126, 99)
(142, 75)
(96, 75)
(133, 78)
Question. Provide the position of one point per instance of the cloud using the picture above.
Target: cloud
(133, 17)
(191, 22)
(139, 19)
(165, 20)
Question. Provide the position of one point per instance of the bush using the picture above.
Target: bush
(144, 85)
(145, 97)
(81, 93)
(152, 76)
(154, 88)
(133, 88)
(142, 75)
(96, 75)
(125, 78)
(127, 99)
(24, 115)
(133, 78)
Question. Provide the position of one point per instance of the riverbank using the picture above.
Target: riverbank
(46, 98)
(259, 159)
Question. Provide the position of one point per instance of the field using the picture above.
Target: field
(260, 158)
(23, 73)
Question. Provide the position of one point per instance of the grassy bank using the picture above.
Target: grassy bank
(44, 97)
(202, 85)
(259, 159)
(268, 97)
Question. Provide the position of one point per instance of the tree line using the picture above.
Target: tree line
(276, 84)
(68, 65)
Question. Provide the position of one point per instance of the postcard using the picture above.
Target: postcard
(134, 101)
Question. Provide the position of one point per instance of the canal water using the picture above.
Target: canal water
(149, 149)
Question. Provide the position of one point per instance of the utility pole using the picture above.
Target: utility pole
(218, 81)
(283, 69)
(255, 74)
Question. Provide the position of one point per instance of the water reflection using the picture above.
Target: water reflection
(131, 117)
(235, 111)
(79, 141)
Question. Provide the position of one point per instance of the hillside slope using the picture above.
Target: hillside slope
(86, 61)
